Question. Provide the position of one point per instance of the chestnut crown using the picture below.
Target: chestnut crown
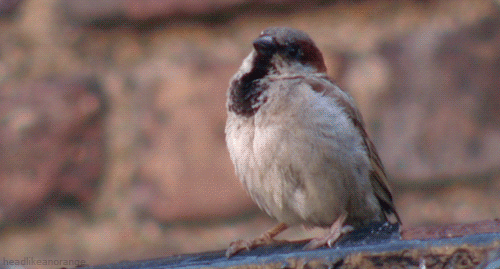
(276, 49)
(291, 45)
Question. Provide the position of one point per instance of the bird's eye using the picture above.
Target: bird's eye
(293, 51)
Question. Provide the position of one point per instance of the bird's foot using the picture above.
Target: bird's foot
(336, 231)
(266, 238)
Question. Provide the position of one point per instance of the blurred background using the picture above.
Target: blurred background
(112, 116)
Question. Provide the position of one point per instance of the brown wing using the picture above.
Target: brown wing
(378, 178)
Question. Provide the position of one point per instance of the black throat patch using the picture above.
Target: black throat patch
(245, 92)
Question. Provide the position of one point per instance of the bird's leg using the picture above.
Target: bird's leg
(266, 238)
(337, 229)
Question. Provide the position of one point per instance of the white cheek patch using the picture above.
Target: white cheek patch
(246, 66)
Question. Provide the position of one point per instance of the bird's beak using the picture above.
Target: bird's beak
(264, 45)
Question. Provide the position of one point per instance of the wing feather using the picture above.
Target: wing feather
(378, 177)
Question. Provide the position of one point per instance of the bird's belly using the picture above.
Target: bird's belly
(300, 163)
(296, 181)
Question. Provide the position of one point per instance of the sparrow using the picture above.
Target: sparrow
(299, 145)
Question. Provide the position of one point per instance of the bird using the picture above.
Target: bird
(299, 145)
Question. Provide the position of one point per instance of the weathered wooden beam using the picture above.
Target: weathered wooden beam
(475, 245)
